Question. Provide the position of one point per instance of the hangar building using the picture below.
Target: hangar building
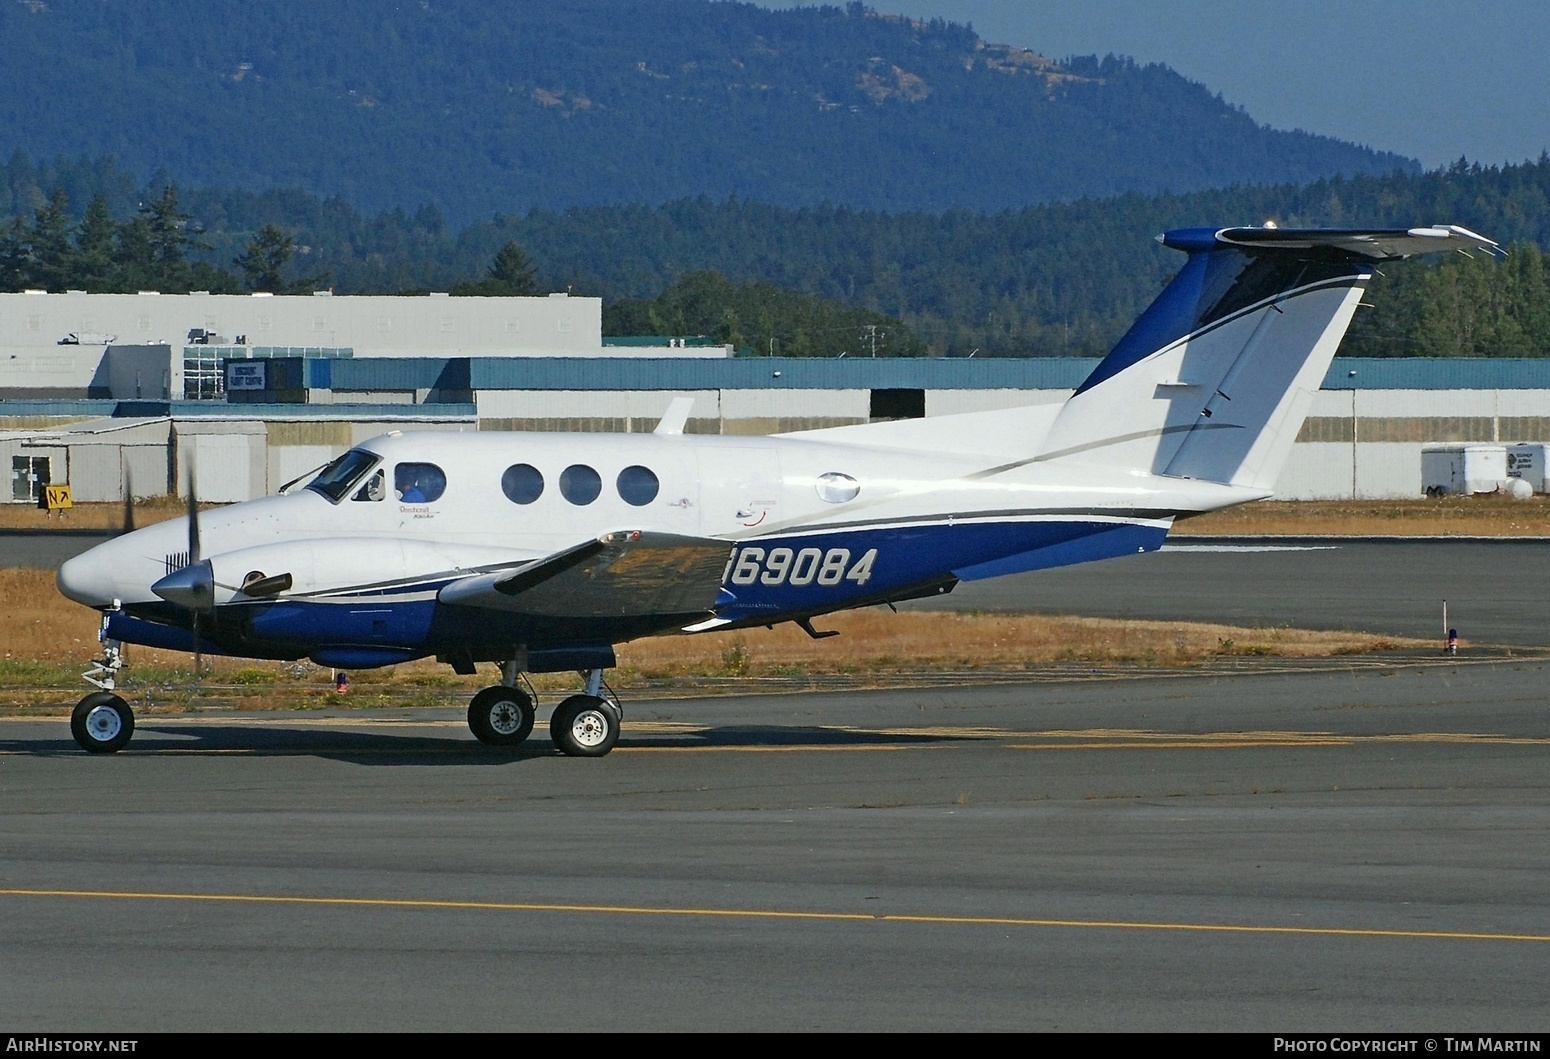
(1363, 437)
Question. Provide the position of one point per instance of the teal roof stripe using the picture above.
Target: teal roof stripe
(767, 373)
(1437, 373)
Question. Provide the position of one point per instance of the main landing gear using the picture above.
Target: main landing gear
(585, 725)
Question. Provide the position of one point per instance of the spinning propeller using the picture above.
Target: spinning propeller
(193, 585)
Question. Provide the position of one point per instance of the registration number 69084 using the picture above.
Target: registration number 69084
(792, 566)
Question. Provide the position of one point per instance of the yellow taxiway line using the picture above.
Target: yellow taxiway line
(778, 914)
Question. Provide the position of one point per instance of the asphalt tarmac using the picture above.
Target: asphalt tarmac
(45, 549)
(1497, 589)
(1356, 847)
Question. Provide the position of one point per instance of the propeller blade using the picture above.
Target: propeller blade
(129, 504)
(193, 513)
(194, 585)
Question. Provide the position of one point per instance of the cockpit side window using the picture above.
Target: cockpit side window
(339, 477)
(419, 483)
(374, 489)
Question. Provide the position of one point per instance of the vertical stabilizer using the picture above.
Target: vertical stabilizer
(1213, 381)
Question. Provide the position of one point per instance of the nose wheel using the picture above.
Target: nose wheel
(501, 716)
(102, 723)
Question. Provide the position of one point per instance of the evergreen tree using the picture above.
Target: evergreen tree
(94, 247)
(53, 256)
(511, 274)
(15, 256)
(266, 259)
(513, 269)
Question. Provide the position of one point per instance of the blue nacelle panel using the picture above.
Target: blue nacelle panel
(395, 623)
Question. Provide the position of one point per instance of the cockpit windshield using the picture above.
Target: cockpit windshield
(339, 477)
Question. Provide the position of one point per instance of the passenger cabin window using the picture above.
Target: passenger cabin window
(419, 483)
(580, 484)
(522, 483)
(638, 486)
(337, 479)
(374, 489)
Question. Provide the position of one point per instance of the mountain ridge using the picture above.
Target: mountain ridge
(481, 108)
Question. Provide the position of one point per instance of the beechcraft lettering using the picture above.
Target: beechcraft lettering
(540, 552)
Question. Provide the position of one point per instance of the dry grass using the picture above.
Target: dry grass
(45, 641)
(1450, 516)
(1481, 516)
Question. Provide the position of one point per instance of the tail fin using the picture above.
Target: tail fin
(1213, 381)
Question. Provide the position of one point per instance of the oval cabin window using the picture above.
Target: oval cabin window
(522, 483)
(418, 483)
(638, 486)
(580, 484)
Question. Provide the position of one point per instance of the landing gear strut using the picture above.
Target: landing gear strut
(102, 722)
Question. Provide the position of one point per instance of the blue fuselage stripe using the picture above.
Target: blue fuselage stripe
(768, 579)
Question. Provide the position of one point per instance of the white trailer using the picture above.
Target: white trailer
(1463, 470)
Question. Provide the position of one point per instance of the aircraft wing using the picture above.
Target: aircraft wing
(627, 574)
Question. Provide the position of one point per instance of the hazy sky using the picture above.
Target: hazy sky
(1432, 79)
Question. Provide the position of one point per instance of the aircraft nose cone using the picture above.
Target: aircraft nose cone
(85, 580)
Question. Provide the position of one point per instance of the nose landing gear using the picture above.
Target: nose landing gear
(102, 722)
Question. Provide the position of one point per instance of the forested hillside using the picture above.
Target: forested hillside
(1053, 280)
(480, 107)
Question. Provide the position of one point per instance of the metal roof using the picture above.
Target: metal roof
(1437, 373)
(763, 373)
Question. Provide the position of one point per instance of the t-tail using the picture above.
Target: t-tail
(1213, 381)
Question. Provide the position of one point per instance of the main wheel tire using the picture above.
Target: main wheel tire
(102, 723)
(501, 716)
(585, 726)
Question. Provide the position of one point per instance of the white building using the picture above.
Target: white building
(57, 345)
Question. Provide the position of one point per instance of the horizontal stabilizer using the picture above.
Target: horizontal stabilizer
(1373, 244)
(626, 574)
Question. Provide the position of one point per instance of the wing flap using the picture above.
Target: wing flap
(627, 574)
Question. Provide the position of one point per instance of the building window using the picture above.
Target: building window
(898, 404)
(580, 484)
(522, 483)
(638, 486)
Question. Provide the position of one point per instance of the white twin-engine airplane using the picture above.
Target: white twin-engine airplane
(540, 552)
